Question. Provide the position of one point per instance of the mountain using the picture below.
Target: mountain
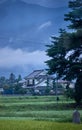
(24, 25)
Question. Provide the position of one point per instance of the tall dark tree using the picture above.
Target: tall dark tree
(66, 50)
(2, 81)
(11, 79)
(19, 78)
(75, 15)
(57, 52)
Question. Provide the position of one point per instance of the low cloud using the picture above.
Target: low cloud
(48, 3)
(45, 25)
(10, 58)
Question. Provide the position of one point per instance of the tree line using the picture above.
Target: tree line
(11, 85)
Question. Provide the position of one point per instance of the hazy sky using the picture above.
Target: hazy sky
(49, 3)
(45, 3)
(23, 28)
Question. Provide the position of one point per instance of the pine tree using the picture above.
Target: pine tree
(66, 50)
(75, 15)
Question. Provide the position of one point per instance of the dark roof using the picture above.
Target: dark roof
(34, 74)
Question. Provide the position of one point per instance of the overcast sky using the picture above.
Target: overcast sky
(45, 3)
(24, 61)
(49, 3)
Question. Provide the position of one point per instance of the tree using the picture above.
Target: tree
(19, 78)
(69, 92)
(7, 89)
(12, 78)
(18, 89)
(75, 16)
(57, 51)
(2, 81)
(66, 50)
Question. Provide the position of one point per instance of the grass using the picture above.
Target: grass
(37, 108)
(36, 113)
(41, 115)
(37, 125)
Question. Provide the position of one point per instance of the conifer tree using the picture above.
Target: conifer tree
(65, 52)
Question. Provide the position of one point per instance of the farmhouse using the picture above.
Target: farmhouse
(40, 82)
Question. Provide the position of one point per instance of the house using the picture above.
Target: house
(38, 81)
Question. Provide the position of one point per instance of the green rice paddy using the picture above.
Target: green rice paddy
(37, 113)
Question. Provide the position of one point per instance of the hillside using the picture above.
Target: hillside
(24, 25)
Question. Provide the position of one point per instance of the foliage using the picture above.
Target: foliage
(78, 89)
(2, 81)
(11, 85)
(7, 89)
(66, 50)
(37, 108)
(75, 16)
(18, 89)
(11, 78)
(69, 92)
(19, 78)
(47, 89)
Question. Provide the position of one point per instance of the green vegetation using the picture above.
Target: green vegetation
(36, 125)
(37, 112)
(65, 52)
(40, 112)
(37, 108)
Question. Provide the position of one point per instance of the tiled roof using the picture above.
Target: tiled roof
(34, 74)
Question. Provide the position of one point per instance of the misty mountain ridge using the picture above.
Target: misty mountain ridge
(22, 23)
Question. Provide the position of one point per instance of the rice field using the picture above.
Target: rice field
(36, 108)
(37, 125)
(37, 113)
